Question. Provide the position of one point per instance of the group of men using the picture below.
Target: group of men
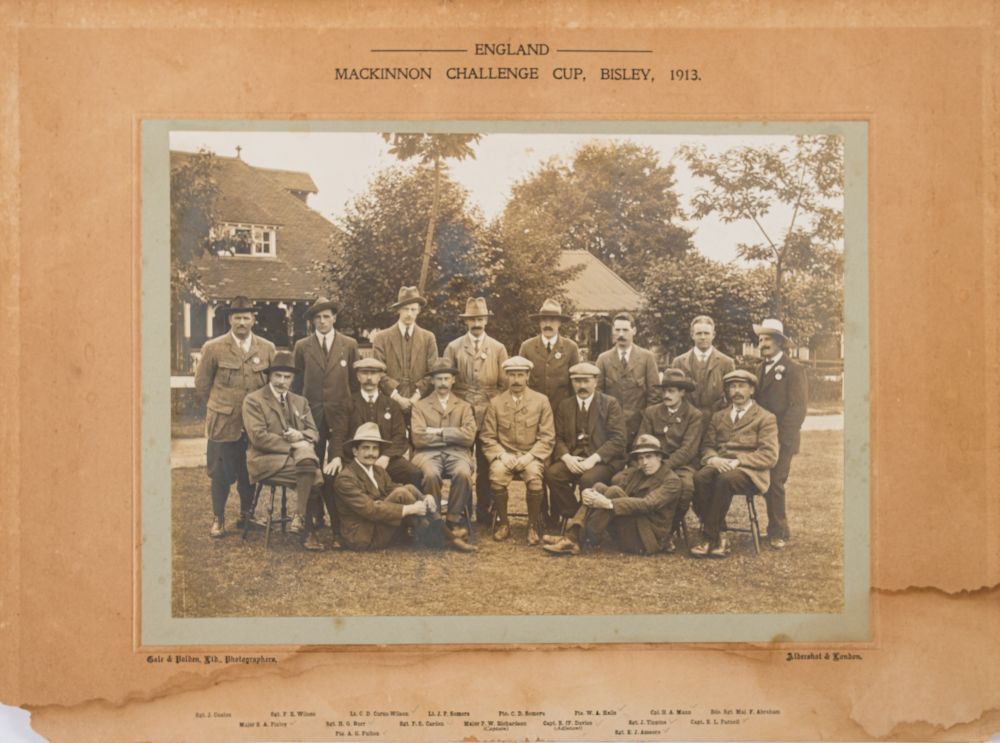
(612, 447)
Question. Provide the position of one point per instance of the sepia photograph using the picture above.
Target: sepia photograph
(424, 374)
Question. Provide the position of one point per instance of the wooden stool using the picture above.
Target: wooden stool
(283, 519)
(754, 528)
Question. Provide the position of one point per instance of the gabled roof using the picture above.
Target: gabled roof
(291, 180)
(597, 289)
(255, 196)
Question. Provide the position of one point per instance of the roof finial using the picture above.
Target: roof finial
(238, 151)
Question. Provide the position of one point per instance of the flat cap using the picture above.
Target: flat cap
(369, 364)
(517, 363)
(740, 375)
(584, 369)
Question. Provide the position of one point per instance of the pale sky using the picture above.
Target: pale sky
(343, 163)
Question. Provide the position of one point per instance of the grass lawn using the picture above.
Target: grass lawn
(230, 577)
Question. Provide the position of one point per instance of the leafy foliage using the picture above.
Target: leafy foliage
(613, 199)
(193, 193)
(748, 183)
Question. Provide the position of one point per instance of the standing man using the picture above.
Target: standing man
(638, 507)
(678, 426)
(283, 440)
(407, 351)
(551, 354)
(590, 441)
(706, 366)
(323, 374)
(231, 366)
(371, 406)
(478, 359)
(784, 391)
(374, 510)
(444, 429)
(738, 452)
(518, 436)
(629, 374)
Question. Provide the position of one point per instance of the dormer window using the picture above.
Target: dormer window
(248, 239)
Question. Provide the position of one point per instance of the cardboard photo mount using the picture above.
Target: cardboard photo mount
(79, 81)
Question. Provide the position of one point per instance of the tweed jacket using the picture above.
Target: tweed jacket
(480, 377)
(388, 348)
(679, 434)
(387, 414)
(550, 374)
(361, 504)
(327, 381)
(224, 376)
(651, 501)
(520, 428)
(787, 398)
(633, 387)
(457, 423)
(265, 422)
(753, 441)
(708, 396)
(605, 433)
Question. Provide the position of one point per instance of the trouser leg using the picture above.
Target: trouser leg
(384, 532)
(777, 521)
(230, 466)
(305, 478)
(534, 497)
(562, 489)
(460, 490)
(404, 472)
(725, 486)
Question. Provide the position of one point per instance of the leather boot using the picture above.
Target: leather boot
(535, 528)
(453, 540)
(501, 527)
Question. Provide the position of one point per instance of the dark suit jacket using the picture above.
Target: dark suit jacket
(361, 504)
(634, 387)
(753, 441)
(679, 434)
(389, 417)
(388, 348)
(651, 501)
(787, 398)
(606, 433)
(265, 423)
(550, 373)
(327, 382)
(708, 396)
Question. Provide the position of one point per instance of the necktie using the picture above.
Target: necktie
(284, 407)
(739, 414)
(624, 359)
(326, 348)
(475, 350)
(406, 335)
(548, 347)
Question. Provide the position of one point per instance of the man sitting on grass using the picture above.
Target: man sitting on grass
(638, 507)
(374, 510)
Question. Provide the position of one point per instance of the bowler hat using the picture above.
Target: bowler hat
(517, 363)
(771, 326)
(584, 369)
(676, 378)
(476, 307)
(644, 443)
(240, 304)
(441, 366)
(740, 375)
(550, 308)
(368, 432)
(319, 305)
(407, 295)
(282, 361)
(369, 364)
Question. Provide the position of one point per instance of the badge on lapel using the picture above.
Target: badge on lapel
(343, 362)
(387, 416)
(777, 371)
(665, 428)
(482, 355)
(558, 355)
(256, 359)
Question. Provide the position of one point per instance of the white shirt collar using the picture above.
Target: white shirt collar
(585, 401)
(370, 471)
(402, 329)
(774, 359)
(744, 411)
(244, 345)
(481, 339)
(275, 392)
(442, 402)
(550, 341)
(627, 352)
(329, 336)
(373, 398)
(703, 355)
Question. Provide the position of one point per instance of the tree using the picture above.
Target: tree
(676, 290)
(804, 181)
(613, 199)
(431, 149)
(382, 246)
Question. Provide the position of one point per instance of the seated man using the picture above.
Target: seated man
(678, 425)
(738, 452)
(518, 436)
(638, 507)
(282, 439)
(443, 428)
(590, 441)
(374, 510)
(368, 405)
